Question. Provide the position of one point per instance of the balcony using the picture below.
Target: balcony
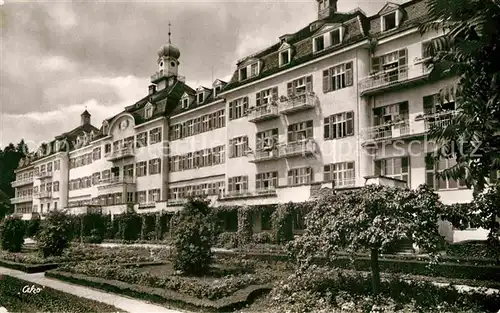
(235, 194)
(298, 103)
(387, 131)
(265, 155)
(269, 191)
(43, 175)
(121, 154)
(116, 180)
(21, 199)
(263, 113)
(22, 182)
(176, 202)
(43, 195)
(400, 76)
(300, 148)
(440, 119)
(161, 74)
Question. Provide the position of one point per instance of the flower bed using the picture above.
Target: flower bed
(212, 287)
(48, 300)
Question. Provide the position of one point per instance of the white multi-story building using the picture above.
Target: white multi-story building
(346, 99)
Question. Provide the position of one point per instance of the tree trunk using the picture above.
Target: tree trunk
(375, 272)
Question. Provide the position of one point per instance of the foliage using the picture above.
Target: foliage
(129, 226)
(371, 218)
(33, 226)
(282, 223)
(9, 161)
(195, 229)
(262, 238)
(321, 289)
(55, 234)
(469, 53)
(245, 226)
(48, 300)
(148, 226)
(12, 230)
(227, 240)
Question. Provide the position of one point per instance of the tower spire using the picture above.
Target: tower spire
(169, 33)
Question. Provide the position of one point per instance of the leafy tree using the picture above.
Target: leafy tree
(12, 232)
(369, 219)
(9, 160)
(469, 52)
(5, 206)
(195, 229)
(33, 226)
(55, 234)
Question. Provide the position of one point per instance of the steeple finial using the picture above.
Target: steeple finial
(169, 33)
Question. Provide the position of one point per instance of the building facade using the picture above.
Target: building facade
(344, 101)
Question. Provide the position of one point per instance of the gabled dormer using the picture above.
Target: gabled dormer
(201, 94)
(285, 54)
(391, 16)
(185, 101)
(218, 85)
(329, 35)
(148, 110)
(105, 127)
(249, 69)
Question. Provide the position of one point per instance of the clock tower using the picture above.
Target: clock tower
(168, 64)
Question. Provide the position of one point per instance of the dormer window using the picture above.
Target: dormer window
(254, 70)
(335, 37)
(217, 90)
(389, 21)
(329, 36)
(243, 73)
(148, 110)
(249, 71)
(105, 127)
(319, 44)
(284, 57)
(200, 97)
(185, 103)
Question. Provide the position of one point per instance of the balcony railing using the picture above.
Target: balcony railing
(388, 131)
(43, 194)
(42, 175)
(265, 155)
(22, 182)
(236, 194)
(440, 119)
(263, 113)
(117, 180)
(159, 75)
(21, 199)
(174, 202)
(393, 76)
(298, 148)
(269, 191)
(297, 103)
(121, 154)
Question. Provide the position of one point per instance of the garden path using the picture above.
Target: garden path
(120, 302)
(149, 245)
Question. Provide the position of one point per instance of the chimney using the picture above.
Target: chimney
(85, 118)
(326, 8)
(152, 89)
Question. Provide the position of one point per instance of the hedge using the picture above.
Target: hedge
(48, 300)
(28, 268)
(228, 304)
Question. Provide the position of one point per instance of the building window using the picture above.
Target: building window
(218, 155)
(49, 167)
(128, 170)
(393, 65)
(254, 70)
(243, 73)
(185, 103)
(432, 167)
(96, 178)
(49, 186)
(319, 44)
(300, 131)
(266, 181)
(200, 97)
(433, 104)
(107, 148)
(238, 146)
(342, 174)
(154, 166)
(238, 184)
(56, 186)
(266, 140)
(238, 108)
(148, 111)
(155, 135)
(154, 195)
(284, 57)
(141, 196)
(389, 21)
(265, 97)
(398, 168)
(142, 140)
(335, 37)
(141, 169)
(338, 77)
(96, 153)
(217, 90)
(338, 125)
(299, 176)
(299, 86)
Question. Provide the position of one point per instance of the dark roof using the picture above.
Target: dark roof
(85, 113)
(358, 27)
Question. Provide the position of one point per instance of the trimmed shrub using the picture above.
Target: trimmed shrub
(55, 235)
(193, 238)
(282, 222)
(12, 230)
(245, 226)
(227, 240)
(148, 226)
(129, 226)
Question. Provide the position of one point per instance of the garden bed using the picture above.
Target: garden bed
(238, 299)
(48, 300)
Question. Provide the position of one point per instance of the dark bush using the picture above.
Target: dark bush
(55, 234)
(12, 230)
(33, 226)
(195, 230)
(129, 226)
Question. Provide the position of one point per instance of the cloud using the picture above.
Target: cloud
(57, 64)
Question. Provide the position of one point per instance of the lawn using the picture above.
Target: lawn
(47, 300)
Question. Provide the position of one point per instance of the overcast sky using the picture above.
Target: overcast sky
(59, 57)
